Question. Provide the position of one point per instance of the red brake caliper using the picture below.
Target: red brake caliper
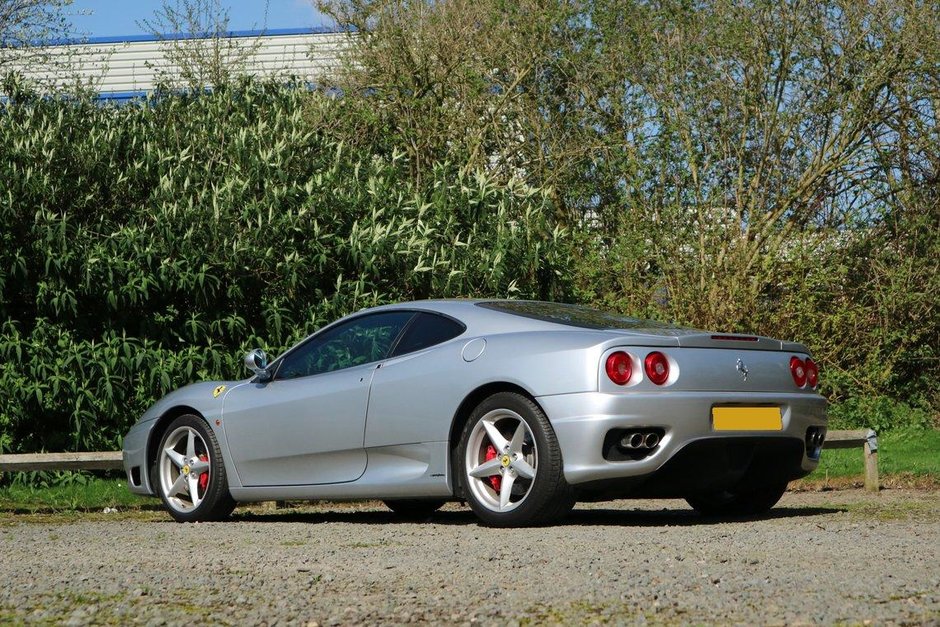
(204, 477)
(495, 481)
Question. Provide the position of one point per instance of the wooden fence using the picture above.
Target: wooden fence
(867, 439)
(112, 460)
(106, 460)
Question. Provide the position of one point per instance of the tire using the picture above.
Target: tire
(751, 501)
(414, 509)
(189, 444)
(522, 485)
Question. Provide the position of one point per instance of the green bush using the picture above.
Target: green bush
(880, 413)
(147, 246)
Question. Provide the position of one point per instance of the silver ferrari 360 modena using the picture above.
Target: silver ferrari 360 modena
(520, 408)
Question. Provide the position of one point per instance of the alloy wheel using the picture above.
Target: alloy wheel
(184, 469)
(501, 460)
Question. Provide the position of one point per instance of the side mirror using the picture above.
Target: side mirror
(257, 362)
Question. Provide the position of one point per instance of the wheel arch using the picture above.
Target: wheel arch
(156, 434)
(463, 412)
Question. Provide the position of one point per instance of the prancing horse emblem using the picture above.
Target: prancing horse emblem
(742, 368)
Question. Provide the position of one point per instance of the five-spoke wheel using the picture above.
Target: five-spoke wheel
(501, 460)
(190, 476)
(511, 463)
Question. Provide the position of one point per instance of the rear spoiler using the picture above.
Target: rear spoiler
(694, 338)
(738, 341)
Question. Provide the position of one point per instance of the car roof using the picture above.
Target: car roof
(492, 319)
(478, 319)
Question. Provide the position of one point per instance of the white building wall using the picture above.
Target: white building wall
(125, 68)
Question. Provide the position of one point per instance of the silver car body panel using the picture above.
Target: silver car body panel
(140, 441)
(384, 429)
(582, 420)
(278, 436)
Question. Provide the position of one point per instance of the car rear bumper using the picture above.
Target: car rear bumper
(583, 421)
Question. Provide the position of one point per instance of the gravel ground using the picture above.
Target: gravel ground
(820, 557)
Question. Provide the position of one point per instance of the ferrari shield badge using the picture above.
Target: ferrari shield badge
(217, 391)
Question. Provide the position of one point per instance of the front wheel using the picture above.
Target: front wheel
(190, 475)
(510, 464)
(738, 502)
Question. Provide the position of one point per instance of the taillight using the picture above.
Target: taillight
(657, 367)
(812, 373)
(619, 367)
(798, 370)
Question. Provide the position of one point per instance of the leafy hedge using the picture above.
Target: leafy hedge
(149, 245)
(146, 246)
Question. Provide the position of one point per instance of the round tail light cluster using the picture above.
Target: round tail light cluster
(657, 367)
(619, 367)
(804, 372)
(812, 373)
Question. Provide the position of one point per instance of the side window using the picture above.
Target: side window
(356, 342)
(427, 329)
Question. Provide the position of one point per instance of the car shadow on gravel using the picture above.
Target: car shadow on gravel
(682, 517)
(578, 517)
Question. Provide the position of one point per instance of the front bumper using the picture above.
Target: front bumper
(135, 458)
(582, 421)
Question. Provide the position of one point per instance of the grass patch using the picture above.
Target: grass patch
(371, 545)
(94, 495)
(910, 453)
(294, 543)
(908, 509)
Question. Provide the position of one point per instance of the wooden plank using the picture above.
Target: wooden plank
(846, 439)
(100, 460)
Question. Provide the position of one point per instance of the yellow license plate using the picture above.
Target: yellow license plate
(746, 419)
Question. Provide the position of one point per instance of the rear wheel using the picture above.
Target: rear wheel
(414, 509)
(749, 501)
(190, 475)
(510, 464)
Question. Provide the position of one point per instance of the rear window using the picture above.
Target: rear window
(427, 329)
(572, 315)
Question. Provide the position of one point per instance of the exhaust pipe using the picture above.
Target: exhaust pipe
(640, 440)
(633, 440)
(815, 437)
(634, 443)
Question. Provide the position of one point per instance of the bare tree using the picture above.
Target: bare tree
(26, 26)
(743, 165)
(198, 45)
(459, 80)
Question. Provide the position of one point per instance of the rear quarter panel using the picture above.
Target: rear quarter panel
(415, 397)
